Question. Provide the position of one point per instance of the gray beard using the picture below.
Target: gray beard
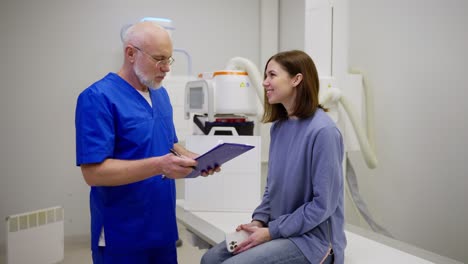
(148, 83)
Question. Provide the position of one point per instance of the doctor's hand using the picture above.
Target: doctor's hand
(258, 235)
(186, 153)
(210, 171)
(176, 167)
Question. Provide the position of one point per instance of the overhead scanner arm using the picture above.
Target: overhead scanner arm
(331, 95)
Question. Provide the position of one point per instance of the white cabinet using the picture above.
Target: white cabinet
(236, 188)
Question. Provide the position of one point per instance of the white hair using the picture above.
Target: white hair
(127, 32)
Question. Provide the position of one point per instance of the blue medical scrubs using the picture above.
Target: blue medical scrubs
(114, 121)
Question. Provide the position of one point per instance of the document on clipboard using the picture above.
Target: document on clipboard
(217, 156)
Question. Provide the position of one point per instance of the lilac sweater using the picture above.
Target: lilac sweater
(303, 198)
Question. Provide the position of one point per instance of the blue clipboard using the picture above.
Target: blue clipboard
(217, 156)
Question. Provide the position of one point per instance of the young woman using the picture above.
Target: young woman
(300, 218)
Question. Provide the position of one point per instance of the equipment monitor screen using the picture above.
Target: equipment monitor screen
(196, 98)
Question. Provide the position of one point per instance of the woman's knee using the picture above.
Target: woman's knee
(205, 258)
(214, 255)
(209, 257)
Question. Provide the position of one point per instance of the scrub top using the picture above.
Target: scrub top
(114, 121)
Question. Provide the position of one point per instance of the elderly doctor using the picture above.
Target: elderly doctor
(124, 135)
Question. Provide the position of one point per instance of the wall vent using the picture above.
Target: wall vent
(36, 236)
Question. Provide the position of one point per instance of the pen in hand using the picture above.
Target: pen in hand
(175, 152)
(178, 155)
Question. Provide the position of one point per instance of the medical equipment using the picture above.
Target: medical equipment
(220, 92)
(225, 107)
(224, 99)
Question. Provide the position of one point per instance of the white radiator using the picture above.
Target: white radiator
(36, 237)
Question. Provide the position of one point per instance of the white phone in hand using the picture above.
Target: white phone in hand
(235, 238)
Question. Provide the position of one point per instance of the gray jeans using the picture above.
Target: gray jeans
(277, 251)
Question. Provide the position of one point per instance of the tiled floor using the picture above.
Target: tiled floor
(77, 251)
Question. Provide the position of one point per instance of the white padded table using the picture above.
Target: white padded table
(363, 247)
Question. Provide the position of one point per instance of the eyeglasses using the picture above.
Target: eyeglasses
(163, 62)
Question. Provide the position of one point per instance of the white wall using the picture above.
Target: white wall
(52, 50)
(414, 55)
(291, 24)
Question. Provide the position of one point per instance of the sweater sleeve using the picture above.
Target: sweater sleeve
(326, 175)
(262, 212)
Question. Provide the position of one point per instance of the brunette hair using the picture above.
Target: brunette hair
(307, 101)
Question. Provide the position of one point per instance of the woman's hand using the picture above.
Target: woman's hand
(258, 235)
